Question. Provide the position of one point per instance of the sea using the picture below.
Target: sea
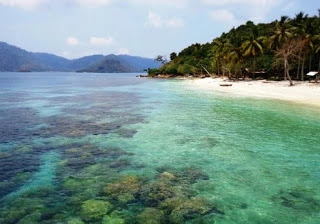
(113, 148)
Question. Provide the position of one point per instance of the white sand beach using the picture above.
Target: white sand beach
(301, 92)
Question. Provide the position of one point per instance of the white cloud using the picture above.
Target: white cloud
(123, 51)
(33, 4)
(262, 3)
(73, 41)
(157, 21)
(93, 3)
(222, 15)
(254, 10)
(101, 41)
(170, 3)
(289, 6)
(174, 22)
(25, 4)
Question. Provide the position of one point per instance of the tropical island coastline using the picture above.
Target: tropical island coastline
(279, 60)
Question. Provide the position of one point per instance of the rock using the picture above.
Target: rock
(125, 190)
(167, 176)
(154, 193)
(75, 221)
(113, 220)
(95, 209)
(33, 218)
(151, 216)
(182, 210)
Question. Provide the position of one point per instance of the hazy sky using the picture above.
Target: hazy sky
(74, 28)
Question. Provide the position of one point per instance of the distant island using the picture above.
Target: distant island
(15, 59)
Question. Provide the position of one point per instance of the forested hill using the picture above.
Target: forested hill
(290, 45)
(14, 59)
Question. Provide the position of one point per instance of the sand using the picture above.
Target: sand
(301, 92)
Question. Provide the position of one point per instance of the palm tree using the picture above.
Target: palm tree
(317, 49)
(283, 33)
(253, 47)
(219, 49)
(235, 57)
(307, 34)
(299, 24)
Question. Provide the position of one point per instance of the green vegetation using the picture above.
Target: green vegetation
(278, 50)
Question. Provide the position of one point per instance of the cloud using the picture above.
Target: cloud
(222, 15)
(289, 6)
(263, 3)
(93, 3)
(165, 3)
(123, 51)
(25, 4)
(33, 4)
(101, 41)
(72, 41)
(157, 21)
(254, 10)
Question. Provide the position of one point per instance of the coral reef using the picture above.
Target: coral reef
(95, 209)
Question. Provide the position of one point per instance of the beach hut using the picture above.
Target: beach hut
(312, 74)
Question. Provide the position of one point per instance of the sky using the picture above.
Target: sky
(76, 28)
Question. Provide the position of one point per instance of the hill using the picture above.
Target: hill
(15, 59)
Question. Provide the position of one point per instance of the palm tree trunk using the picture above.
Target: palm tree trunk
(302, 67)
(287, 72)
(310, 62)
(254, 67)
(299, 60)
(298, 70)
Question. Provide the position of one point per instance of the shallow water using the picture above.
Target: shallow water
(159, 150)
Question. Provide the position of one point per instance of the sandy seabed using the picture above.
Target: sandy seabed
(301, 92)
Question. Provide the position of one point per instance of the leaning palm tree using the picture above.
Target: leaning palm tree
(252, 48)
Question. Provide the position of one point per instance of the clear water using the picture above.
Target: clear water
(70, 140)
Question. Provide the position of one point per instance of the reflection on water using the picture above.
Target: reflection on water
(101, 148)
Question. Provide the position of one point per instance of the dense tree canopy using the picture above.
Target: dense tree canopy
(254, 49)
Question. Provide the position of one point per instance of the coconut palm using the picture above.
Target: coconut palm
(252, 48)
(283, 32)
(307, 35)
(220, 46)
(317, 49)
(299, 24)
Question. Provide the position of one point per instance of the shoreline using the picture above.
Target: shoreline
(301, 92)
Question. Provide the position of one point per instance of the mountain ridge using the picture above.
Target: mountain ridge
(16, 59)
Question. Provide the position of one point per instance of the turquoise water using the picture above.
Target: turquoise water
(112, 148)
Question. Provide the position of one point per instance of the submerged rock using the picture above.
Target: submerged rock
(33, 218)
(151, 216)
(95, 209)
(124, 190)
(193, 175)
(154, 193)
(298, 199)
(75, 221)
(113, 219)
(183, 210)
